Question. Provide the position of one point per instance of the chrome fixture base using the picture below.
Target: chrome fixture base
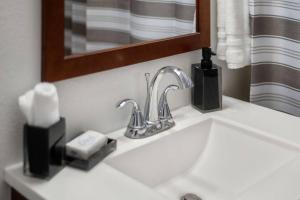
(160, 127)
(151, 130)
(136, 133)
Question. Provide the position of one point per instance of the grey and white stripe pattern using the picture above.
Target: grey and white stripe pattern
(75, 30)
(68, 27)
(276, 54)
(102, 24)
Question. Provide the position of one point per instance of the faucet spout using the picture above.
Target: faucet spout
(151, 105)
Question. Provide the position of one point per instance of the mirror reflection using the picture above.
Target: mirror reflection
(92, 25)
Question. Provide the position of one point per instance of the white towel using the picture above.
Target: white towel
(40, 105)
(45, 105)
(234, 28)
(25, 104)
(221, 48)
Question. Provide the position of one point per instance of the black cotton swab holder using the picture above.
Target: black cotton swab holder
(44, 150)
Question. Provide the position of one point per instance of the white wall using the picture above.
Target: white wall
(19, 70)
(87, 102)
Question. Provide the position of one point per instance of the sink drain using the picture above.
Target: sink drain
(190, 196)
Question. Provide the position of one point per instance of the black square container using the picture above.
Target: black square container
(207, 90)
(44, 150)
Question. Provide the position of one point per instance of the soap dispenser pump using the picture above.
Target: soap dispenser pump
(207, 77)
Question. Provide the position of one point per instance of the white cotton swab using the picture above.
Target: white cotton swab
(45, 106)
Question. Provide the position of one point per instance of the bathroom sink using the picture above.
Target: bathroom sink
(214, 159)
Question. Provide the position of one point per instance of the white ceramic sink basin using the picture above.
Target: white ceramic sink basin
(214, 158)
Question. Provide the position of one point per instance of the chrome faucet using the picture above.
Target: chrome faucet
(157, 116)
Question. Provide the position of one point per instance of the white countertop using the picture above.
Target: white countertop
(104, 182)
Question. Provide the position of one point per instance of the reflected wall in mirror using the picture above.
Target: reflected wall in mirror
(92, 25)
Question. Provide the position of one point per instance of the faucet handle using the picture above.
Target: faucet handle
(137, 123)
(164, 112)
(124, 102)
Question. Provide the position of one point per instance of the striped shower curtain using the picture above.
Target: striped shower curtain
(101, 24)
(276, 54)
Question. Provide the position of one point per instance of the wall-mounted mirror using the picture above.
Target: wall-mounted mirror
(87, 36)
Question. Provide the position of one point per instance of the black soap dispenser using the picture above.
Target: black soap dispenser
(207, 77)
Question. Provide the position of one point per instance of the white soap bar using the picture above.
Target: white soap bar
(86, 145)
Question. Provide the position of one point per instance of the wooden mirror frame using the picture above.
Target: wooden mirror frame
(56, 66)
